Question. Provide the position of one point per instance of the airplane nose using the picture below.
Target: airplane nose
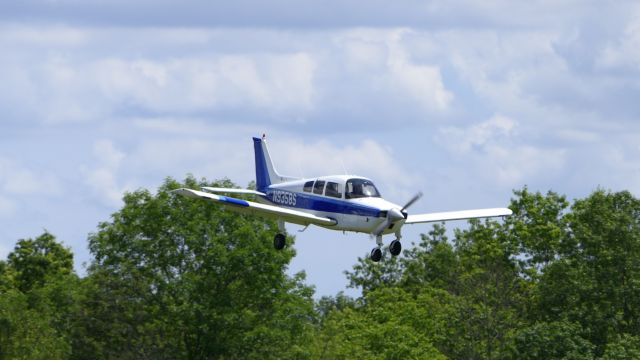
(395, 215)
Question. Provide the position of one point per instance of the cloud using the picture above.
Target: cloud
(64, 76)
(19, 184)
(464, 140)
(103, 178)
(378, 65)
(499, 152)
(624, 53)
(422, 82)
(191, 85)
(16, 179)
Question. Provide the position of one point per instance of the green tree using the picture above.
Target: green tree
(175, 277)
(595, 282)
(35, 260)
(537, 229)
(37, 302)
(554, 340)
(625, 347)
(27, 333)
(392, 325)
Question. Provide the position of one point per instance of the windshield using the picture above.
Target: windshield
(359, 188)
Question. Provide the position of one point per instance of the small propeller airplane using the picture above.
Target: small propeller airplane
(336, 202)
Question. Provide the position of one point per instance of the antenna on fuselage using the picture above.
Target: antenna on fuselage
(344, 168)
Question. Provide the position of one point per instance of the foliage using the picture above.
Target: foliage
(175, 278)
(37, 287)
(33, 261)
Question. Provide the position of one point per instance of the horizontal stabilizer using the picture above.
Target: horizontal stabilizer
(457, 215)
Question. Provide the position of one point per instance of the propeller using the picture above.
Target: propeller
(395, 214)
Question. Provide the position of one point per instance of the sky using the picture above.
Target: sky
(464, 101)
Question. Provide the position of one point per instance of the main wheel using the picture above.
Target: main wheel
(395, 247)
(376, 254)
(279, 241)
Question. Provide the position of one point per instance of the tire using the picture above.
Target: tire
(395, 247)
(376, 254)
(279, 241)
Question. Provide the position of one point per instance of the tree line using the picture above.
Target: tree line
(175, 278)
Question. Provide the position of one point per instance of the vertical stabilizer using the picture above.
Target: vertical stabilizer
(266, 174)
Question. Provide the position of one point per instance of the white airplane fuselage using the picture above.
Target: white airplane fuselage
(363, 213)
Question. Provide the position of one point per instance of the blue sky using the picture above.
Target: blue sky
(464, 101)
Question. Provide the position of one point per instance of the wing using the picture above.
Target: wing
(457, 215)
(232, 191)
(250, 207)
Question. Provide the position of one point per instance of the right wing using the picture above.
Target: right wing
(250, 207)
(457, 215)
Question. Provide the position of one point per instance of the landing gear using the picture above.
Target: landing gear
(395, 247)
(376, 254)
(279, 241)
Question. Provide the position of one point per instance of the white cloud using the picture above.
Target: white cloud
(59, 36)
(380, 60)
(16, 179)
(498, 152)
(102, 178)
(64, 76)
(463, 140)
(279, 83)
(422, 82)
(625, 51)
(19, 183)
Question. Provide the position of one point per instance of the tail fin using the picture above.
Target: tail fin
(266, 174)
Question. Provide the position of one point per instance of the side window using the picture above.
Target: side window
(333, 190)
(308, 186)
(318, 187)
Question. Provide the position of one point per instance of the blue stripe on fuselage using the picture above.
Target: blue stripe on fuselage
(309, 201)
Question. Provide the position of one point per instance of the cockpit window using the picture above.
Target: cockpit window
(333, 189)
(359, 188)
(308, 186)
(318, 187)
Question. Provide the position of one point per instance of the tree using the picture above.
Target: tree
(37, 287)
(33, 261)
(553, 340)
(625, 347)
(175, 277)
(596, 280)
(27, 333)
(391, 325)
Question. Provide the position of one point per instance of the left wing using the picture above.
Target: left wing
(250, 207)
(232, 191)
(457, 215)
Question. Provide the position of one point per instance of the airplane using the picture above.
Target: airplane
(337, 202)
